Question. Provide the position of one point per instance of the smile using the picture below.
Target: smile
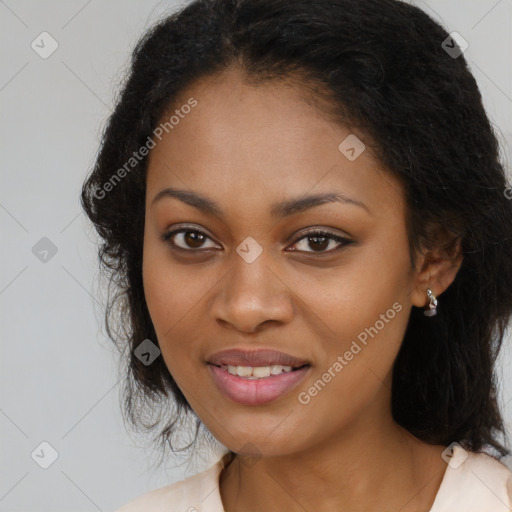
(256, 385)
(257, 372)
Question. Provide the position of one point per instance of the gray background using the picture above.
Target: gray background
(58, 371)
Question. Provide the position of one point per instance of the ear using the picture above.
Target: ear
(436, 269)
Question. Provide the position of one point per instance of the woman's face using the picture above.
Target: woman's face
(241, 274)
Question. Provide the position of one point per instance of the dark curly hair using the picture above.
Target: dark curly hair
(381, 67)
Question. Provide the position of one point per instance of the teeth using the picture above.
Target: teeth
(276, 369)
(244, 371)
(261, 371)
(257, 372)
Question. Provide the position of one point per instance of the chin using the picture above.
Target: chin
(259, 436)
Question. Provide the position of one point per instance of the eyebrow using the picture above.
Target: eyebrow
(278, 210)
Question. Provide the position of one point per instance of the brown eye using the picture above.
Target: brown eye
(193, 239)
(319, 241)
(187, 239)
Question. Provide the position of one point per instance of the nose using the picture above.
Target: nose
(252, 294)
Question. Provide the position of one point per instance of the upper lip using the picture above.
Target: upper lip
(255, 357)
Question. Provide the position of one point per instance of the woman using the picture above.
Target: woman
(303, 207)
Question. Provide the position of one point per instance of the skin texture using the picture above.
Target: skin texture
(247, 147)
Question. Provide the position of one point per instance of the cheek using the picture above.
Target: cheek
(353, 373)
(343, 301)
(171, 290)
(175, 297)
(364, 307)
(164, 290)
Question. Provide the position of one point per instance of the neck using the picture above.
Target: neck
(371, 465)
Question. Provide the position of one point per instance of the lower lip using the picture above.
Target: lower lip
(256, 391)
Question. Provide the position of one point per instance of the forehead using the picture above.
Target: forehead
(265, 142)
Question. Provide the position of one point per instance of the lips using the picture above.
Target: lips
(260, 357)
(278, 373)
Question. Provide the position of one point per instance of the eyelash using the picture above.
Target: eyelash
(343, 241)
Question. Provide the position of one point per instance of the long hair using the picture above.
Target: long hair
(381, 67)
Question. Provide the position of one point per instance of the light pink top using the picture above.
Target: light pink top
(478, 483)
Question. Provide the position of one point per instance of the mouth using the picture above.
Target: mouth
(256, 358)
(256, 377)
(259, 372)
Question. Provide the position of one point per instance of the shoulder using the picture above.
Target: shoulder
(474, 481)
(198, 493)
